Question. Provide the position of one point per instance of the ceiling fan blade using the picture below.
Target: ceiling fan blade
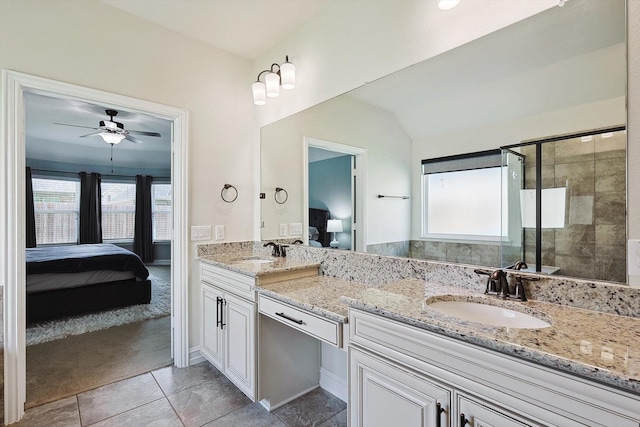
(133, 139)
(75, 126)
(90, 134)
(140, 132)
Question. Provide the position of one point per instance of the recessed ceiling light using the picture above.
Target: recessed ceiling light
(447, 4)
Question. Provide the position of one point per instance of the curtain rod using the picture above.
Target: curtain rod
(102, 174)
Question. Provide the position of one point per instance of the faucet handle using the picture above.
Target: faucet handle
(283, 250)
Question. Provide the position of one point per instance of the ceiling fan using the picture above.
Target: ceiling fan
(113, 132)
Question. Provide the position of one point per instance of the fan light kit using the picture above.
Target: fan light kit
(284, 75)
(447, 4)
(113, 132)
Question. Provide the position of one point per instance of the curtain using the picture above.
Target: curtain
(30, 212)
(143, 234)
(90, 208)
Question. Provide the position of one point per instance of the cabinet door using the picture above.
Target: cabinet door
(240, 362)
(212, 335)
(384, 394)
(472, 413)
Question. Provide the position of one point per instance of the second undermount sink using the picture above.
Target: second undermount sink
(489, 314)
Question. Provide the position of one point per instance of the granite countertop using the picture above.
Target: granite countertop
(598, 346)
(234, 262)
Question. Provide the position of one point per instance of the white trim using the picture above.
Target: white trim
(361, 190)
(334, 384)
(12, 262)
(195, 356)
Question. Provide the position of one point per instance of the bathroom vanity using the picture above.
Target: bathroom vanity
(411, 364)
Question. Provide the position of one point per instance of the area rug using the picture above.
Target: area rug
(61, 328)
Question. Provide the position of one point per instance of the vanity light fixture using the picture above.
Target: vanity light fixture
(334, 226)
(278, 75)
(447, 4)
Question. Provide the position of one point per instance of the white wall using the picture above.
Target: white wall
(348, 122)
(89, 44)
(354, 42)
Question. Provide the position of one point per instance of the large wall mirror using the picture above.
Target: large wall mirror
(560, 72)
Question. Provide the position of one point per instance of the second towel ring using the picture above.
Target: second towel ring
(225, 188)
(275, 196)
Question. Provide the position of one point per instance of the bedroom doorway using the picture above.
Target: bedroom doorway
(12, 258)
(342, 193)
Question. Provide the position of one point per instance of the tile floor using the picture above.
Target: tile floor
(195, 396)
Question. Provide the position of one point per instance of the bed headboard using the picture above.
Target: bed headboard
(318, 218)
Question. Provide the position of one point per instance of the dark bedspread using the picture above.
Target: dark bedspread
(78, 258)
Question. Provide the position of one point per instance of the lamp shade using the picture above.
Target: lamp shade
(288, 75)
(111, 138)
(259, 93)
(272, 81)
(334, 226)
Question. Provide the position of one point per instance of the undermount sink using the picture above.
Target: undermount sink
(489, 314)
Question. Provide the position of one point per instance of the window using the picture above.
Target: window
(462, 197)
(161, 211)
(118, 210)
(56, 205)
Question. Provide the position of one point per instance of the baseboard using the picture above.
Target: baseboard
(159, 262)
(334, 384)
(267, 404)
(195, 356)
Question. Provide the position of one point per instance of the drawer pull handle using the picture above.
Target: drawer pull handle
(463, 420)
(291, 319)
(439, 411)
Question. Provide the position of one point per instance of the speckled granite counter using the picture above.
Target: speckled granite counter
(234, 262)
(598, 346)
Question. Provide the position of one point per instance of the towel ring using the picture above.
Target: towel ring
(286, 196)
(226, 187)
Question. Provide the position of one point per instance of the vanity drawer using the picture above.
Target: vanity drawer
(230, 281)
(311, 324)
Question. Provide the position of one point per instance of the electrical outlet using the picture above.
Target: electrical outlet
(219, 232)
(201, 232)
(633, 252)
(283, 230)
(295, 228)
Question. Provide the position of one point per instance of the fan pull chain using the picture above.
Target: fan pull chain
(111, 158)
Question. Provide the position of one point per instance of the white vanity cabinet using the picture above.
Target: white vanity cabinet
(404, 375)
(228, 332)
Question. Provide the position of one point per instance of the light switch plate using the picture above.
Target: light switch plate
(283, 230)
(219, 232)
(201, 232)
(633, 251)
(295, 228)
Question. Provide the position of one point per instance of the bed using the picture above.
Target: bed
(70, 280)
(318, 235)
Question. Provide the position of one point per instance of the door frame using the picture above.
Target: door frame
(12, 223)
(358, 223)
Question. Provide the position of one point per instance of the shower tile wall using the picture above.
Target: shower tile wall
(593, 242)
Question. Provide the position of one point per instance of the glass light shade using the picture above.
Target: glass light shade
(111, 138)
(288, 75)
(272, 81)
(447, 4)
(334, 226)
(259, 93)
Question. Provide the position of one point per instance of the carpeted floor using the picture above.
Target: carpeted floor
(65, 367)
(160, 305)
